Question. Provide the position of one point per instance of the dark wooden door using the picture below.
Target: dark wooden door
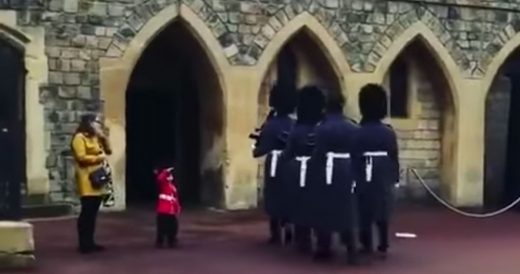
(497, 130)
(12, 130)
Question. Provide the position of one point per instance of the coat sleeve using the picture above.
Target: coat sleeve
(264, 144)
(80, 152)
(393, 153)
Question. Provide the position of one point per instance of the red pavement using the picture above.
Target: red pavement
(227, 243)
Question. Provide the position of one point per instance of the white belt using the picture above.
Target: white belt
(274, 162)
(166, 197)
(330, 163)
(303, 168)
(369, 165)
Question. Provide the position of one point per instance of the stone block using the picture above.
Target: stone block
(98, 9)
(116, 9)
(244, 28)
(52, 51)
(357, 5)
(16, 237)
(16, 261)
(218, 5)
(250, 8)
(104, 42)
(78, 65)
(333, 4)
(268, 32)
(67, 92)
(275, 23)
(55, 77)
(70, 6)
(72, 78)
(85, 92)
(55, 5)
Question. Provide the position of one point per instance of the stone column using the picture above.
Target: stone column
(468, 187)
(241, 118)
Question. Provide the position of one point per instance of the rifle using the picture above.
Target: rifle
(256, 133)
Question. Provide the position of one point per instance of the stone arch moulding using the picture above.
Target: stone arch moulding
(308, 23)
(14, 36)
(31, 41)
(423, 20)
(115, 73)
(419, 30)
(498, 60)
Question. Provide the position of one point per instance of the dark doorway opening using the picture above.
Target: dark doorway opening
(512, 175)
(12, 130)
(502, 176)
(171, 115)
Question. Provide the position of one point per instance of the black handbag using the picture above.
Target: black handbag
(99, 178)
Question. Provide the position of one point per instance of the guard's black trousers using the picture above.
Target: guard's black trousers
(302, 235)
(87, 221)
(275, 227)
(167, 227)
(366, 232)
(324, 240)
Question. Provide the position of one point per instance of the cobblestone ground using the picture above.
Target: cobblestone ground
(226, 243)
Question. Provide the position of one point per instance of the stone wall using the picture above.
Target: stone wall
(420, 143)
(79, 32)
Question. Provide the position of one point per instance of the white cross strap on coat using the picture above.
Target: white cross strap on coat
(166, 197)
(303, 168)
(331, 156)
(275, 154)
(369, 164)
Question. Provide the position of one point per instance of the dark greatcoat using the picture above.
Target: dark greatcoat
(333, 204)
(300, 143)
(375, 198)
(273, 137)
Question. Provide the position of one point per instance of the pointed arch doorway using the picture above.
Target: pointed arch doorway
(12, 129)
(174, 113)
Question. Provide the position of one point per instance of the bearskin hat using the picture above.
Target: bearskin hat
(283, 101)
(373, 102)
(311, 101)
(335, 102)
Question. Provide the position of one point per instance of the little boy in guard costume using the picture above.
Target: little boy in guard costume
(168, 208)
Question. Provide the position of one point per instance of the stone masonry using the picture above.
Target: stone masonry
(79, 32)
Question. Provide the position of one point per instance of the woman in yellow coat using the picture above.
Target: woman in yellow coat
(90, 147)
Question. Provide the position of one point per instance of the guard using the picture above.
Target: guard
(377, 163)
(296, 157)
(332, 180)
(271, 142)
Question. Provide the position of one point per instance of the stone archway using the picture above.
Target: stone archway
(502, 132)
(29, 42)
(429, 133)
(497, 88)
(115, 75)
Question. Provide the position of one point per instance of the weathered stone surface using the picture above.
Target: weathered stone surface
(16, 237)
(16, 261)
(70, 6)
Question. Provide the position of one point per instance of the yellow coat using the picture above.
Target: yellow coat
(89, 155)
